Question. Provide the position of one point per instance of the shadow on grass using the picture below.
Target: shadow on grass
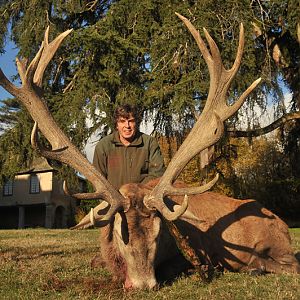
(17, 253)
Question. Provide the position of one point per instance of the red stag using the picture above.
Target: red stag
(136, 245)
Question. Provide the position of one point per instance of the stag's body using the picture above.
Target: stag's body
(237, 235)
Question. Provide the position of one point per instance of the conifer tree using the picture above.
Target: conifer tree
(123, 52)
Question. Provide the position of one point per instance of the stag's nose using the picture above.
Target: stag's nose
(151, 284)
(140, 283)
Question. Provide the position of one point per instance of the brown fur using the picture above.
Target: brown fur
(238, 235)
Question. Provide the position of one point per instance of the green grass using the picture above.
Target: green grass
(55, 264)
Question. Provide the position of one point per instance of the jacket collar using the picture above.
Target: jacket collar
(138, 139)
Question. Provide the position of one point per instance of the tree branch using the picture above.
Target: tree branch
(264, 130)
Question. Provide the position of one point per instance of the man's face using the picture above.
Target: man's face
(127, 129)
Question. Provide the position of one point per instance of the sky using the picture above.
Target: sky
(8, 66)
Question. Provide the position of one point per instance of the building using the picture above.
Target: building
(35, 198)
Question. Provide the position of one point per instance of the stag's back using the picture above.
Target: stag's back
(234, 232)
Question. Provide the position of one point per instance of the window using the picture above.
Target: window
(34, 184)
(8, 188)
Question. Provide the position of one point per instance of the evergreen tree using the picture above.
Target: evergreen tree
(123, 52)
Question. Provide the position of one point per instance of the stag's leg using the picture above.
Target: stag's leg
(286, 264)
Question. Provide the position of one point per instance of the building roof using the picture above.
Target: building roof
(39, 164)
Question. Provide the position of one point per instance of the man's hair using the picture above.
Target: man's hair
(124, 111)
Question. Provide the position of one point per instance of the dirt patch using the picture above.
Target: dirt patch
(93, 285)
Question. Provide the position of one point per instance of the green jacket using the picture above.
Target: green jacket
(139, 162)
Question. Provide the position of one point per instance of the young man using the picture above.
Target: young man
(128, 155)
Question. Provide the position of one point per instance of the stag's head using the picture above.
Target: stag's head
(136, 233)
(136, 210)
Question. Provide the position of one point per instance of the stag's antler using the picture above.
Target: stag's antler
(30, 94)
(209, 126)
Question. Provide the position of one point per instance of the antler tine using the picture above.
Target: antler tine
(47, 54)
(239, 54)
(62, 148)
(21, 66)
(179, 210)
(210, 125)
(195, 33)
(93, 218)
(29, 75)
(6, 84)
(238, 103)
(221, 79)
(52, 154)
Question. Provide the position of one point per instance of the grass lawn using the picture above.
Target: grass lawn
(55, 264)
